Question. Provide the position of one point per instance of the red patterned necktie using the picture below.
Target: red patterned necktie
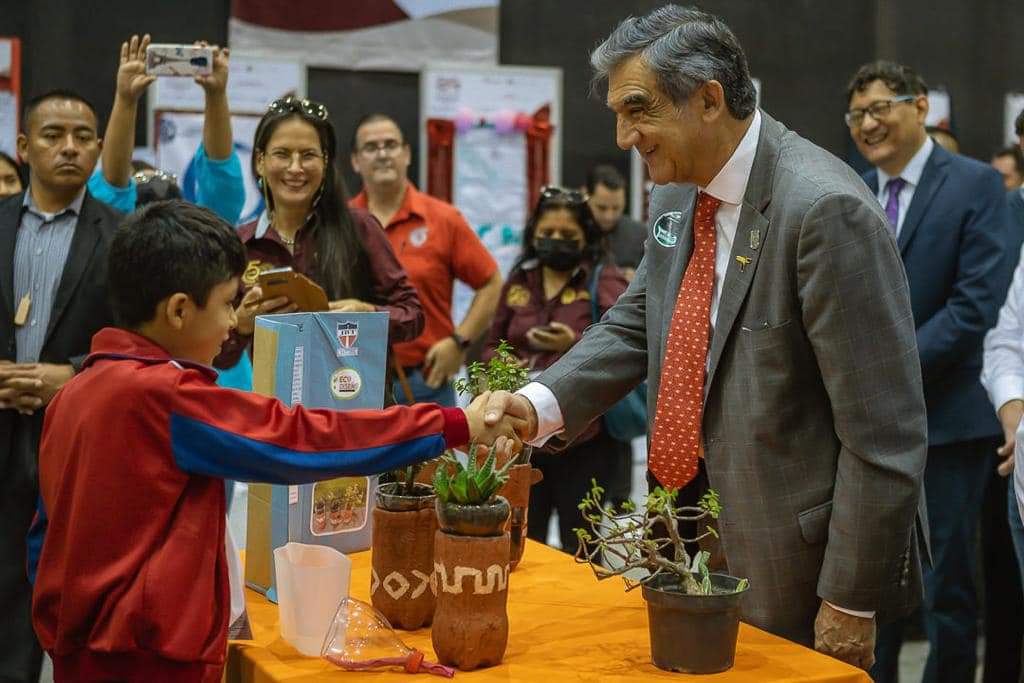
(676, 440)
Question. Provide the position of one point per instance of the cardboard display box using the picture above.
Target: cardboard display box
(321, 360)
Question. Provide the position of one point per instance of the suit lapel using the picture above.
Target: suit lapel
(83, 246)
(10, 218)
(680, 259)
(932, 178)
(737, 281)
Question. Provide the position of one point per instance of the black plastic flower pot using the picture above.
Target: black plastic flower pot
(391, 497)
(487, 519)
(693, 634)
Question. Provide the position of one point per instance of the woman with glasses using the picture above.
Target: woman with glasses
(308, 226)
(545, 304)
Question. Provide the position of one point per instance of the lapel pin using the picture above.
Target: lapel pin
(755, 239)
(744, 261)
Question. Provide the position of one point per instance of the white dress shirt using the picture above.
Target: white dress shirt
(910, 173)
(1002, 371)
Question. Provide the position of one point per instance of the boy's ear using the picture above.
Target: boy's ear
(176, 309)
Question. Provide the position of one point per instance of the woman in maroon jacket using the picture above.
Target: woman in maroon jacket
(309, 227)
(545, 305)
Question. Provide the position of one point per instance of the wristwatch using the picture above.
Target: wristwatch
(463, 344)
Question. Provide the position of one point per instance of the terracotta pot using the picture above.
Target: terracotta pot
(693, 633)
(471, 623)
(402, 561)
(517, 491)
(473, 520)
(426, 473)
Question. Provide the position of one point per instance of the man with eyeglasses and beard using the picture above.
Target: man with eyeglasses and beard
(947, 215)
(436, 246)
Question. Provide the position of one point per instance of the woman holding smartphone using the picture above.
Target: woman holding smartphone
(308, 227)
(545, 305)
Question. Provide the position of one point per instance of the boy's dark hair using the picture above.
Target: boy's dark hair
(901, 79)
(169, 247)
(57, 94)
(607, 175)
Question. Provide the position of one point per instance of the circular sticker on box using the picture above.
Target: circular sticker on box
(345, 384)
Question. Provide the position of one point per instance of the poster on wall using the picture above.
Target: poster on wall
(176, 119)
(940, 109)
(1013, 108)
(10, 92)
(503, 122)
(383, 35)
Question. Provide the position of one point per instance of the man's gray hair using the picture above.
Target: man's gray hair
(685, 48)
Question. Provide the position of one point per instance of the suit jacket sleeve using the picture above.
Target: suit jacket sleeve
(605, 364)
(855, 306)
(959, 327)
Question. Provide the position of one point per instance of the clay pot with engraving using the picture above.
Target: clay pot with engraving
(470, 627)
(401, 583)
(517, 491)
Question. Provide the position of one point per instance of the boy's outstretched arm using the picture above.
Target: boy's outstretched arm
(239, 435)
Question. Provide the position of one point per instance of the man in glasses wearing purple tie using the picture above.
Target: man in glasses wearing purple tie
(947, 215)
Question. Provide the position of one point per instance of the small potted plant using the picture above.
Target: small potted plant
(471, 563)
(503, 372)
(693, 615)
(402, 561)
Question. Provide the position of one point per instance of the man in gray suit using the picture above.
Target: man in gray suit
(810, 419)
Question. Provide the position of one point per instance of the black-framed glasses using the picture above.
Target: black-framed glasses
(303, 106)
(553, 192)
(878, 110)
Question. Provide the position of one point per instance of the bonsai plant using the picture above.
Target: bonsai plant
(471, 562)
(693, 614)
(402, 561)
(503, 372)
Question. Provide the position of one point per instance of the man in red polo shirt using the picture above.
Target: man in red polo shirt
(435, 246)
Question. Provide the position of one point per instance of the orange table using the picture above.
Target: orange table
(563, 624)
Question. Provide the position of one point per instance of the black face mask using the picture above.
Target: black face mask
(559, 254)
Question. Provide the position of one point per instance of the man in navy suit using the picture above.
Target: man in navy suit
(948, 216)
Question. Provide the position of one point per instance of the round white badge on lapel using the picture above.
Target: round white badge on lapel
(666, 228)
(418, 237)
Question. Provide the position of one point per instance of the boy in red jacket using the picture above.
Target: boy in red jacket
(132, 580)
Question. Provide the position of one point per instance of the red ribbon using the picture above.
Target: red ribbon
(440, 147)
(538, 135)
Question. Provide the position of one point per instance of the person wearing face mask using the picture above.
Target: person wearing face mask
(309, 227)
(544, 307)
(10, 176)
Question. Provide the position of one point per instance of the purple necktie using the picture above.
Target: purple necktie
(892, 205)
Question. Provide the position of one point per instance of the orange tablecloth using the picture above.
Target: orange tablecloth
(563, 624)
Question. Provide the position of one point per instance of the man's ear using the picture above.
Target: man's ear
(921, 104)
(712, 99)
(22, 146)
(176, 310)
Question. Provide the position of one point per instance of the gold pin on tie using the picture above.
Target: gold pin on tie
(743, 261)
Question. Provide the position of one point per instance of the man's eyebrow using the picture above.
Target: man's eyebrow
(631, 100)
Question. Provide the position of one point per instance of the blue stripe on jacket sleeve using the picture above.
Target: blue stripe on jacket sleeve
(200, 448)
(34, 541)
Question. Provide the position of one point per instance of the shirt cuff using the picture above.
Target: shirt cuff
(456, 427)
(852, 612)
(549, 415)
(1006, 388)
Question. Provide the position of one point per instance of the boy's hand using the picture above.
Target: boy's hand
(217, 82)
(351, 306)
(502, 434)
(253, 304)
(132, 80)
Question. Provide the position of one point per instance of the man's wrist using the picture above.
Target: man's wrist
(461, 342)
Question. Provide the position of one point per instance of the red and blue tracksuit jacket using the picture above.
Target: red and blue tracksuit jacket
(131, 577)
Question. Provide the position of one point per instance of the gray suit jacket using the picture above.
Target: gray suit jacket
(814, 423)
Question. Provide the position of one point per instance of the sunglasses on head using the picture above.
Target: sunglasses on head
(293, 104)
(551, 192)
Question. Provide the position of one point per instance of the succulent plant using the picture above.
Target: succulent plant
(469, 484)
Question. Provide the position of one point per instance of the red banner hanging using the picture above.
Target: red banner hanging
(440, 146)
(537, 150)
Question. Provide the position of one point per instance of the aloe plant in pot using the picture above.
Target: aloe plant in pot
(404, 524)
(504, 372)
(471, 562)
(693, 614)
